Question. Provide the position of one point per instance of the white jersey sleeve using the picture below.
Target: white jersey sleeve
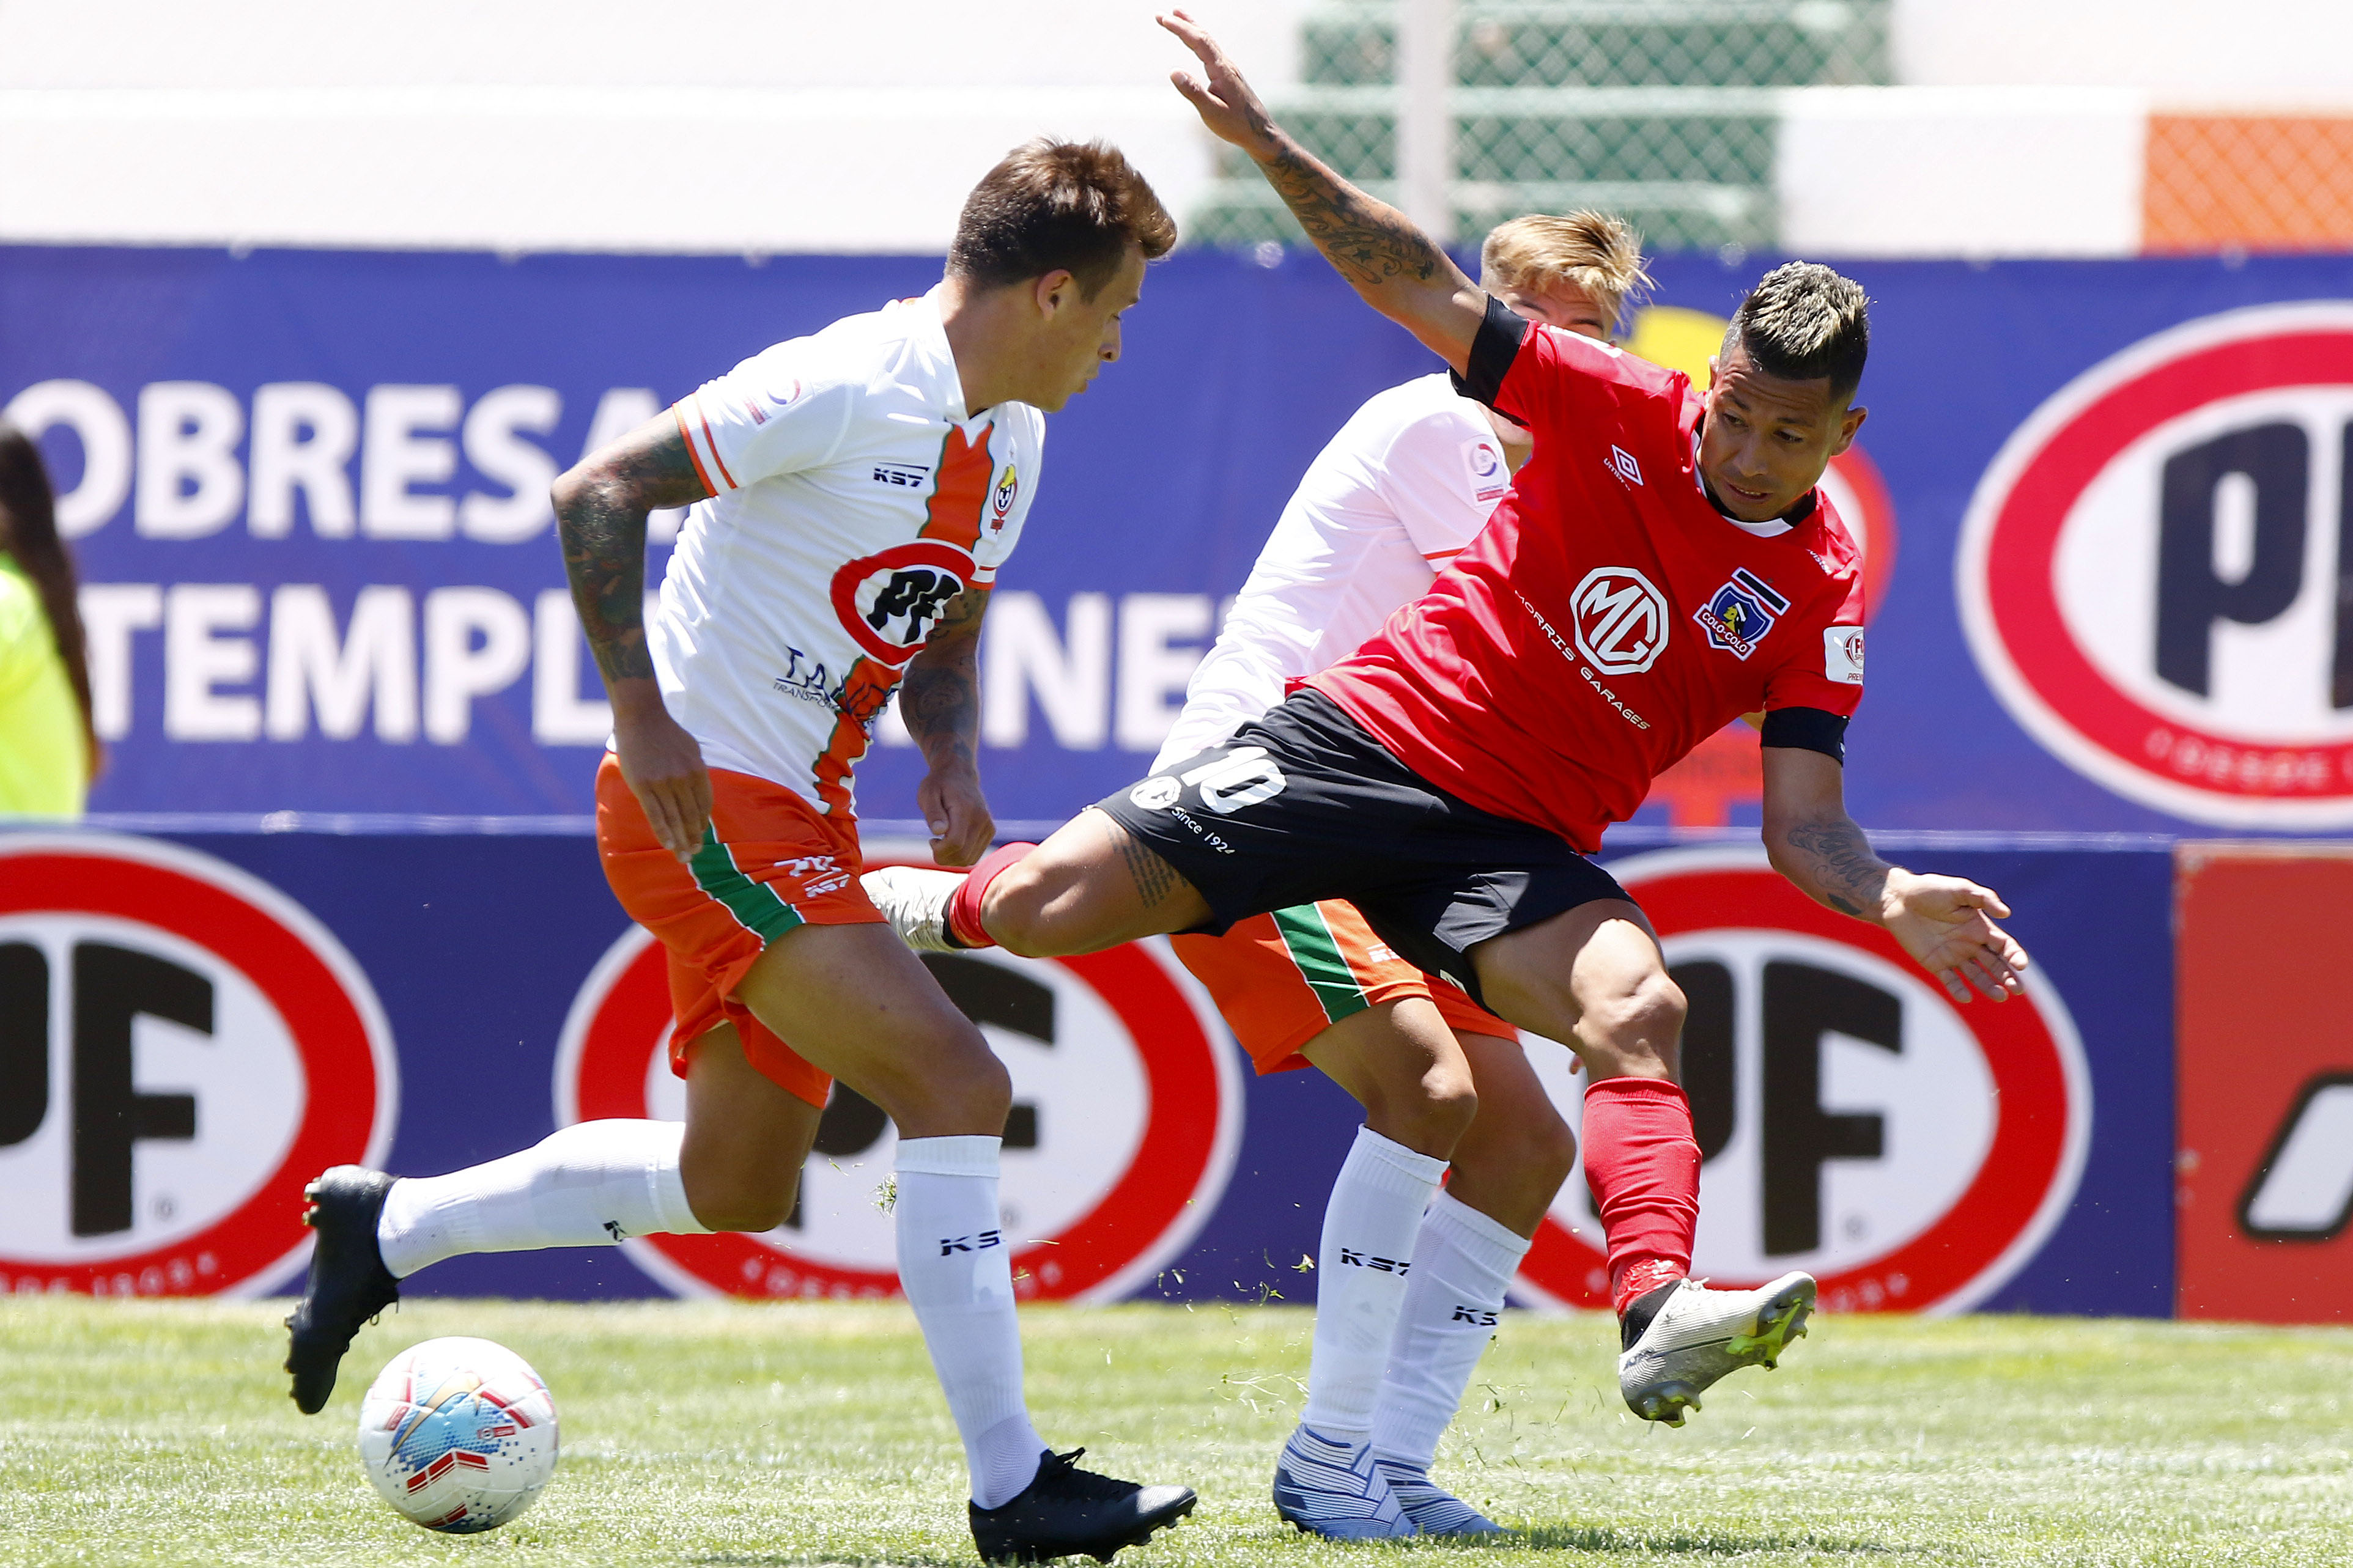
(774, 414)
(1403, 488)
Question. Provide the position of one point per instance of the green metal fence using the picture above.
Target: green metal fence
(1660, 111)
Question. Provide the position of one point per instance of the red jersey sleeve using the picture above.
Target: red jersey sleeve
(1824, 665)
(1542, 376)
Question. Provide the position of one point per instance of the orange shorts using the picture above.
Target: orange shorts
(1282, 979)
(772, 861)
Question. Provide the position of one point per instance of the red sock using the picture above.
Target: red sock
(1642, 1163)
(964, 904)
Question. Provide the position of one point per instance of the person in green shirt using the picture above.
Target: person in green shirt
(48, 750)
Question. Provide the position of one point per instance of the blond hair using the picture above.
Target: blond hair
(1592, 251)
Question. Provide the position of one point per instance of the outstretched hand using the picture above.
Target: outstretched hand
(1947, 923)
(1225, 102)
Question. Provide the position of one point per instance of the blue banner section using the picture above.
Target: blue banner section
(306, 490)
(479, 948)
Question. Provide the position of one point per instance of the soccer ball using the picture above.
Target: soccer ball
(459, 1435)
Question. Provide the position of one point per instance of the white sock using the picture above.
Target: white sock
(1360, 1279)
(1462, 1264)
(957, 1268)
(585, 1185)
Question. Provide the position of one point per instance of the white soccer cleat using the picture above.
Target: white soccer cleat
(915, 902)
(1433, 1509)
(1329, 1488)
(1695, 1335)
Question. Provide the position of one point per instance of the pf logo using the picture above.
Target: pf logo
(1126, 1114)
(2157, 572)
(1909, 1154)
(890, 602)
(182, 1047)
(1620, 620)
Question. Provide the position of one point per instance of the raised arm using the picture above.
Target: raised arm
(600, 514)
(1399, 270)
(1946, 922)
(940, 702)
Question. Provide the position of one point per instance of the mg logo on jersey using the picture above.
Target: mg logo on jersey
(1910, 1154)
(2157, 572)
(890, 600)
(1126, 1114)
(1620, 620)
(182, 1047)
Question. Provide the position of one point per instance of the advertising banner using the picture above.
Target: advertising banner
(192, 1027)
(2103, 503)
(2265, 1163)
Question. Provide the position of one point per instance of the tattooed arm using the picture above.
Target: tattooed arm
(600, 514)
(1946, 922)
(940, 701)
(1401, 271)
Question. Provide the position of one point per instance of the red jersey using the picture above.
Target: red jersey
(1611, 617)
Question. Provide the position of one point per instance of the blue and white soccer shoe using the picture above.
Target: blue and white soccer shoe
(1332, 1488)
(1682, 1336)
(1433, 1509)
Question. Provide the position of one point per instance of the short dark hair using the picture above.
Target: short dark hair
(1804, 322)
(1052, 206)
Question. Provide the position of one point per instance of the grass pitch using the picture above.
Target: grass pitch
(161, 1433)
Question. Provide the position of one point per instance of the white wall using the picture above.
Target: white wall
(1952, 171)
(724, 125)
(2242, 52)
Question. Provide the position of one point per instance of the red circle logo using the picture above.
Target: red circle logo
(1860, 496)
(2149, 573)
(1128, 1112)
(890, 600)
(1853, 1122)
(184, 1047)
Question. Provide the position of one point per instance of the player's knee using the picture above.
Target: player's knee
(1429, 1114)
(956, 1086)
(1644, 1022)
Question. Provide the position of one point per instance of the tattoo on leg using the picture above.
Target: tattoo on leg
(1154, 878)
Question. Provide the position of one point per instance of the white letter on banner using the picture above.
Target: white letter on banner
(395, 453)
(188, 432)
(1020, 654)
(560, 716)
(105, 435)
(375, 659)
(621, 410)
(111, 612)
(1149, 668)
(456, 670)
(495, 446)
(196, 658)
(303, 436)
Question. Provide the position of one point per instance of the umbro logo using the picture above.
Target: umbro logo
(1621, 463)
(981, 1243)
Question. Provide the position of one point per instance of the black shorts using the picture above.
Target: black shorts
(1301, 805)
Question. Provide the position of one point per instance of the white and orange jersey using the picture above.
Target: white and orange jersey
(1407, 483)
(852, 498)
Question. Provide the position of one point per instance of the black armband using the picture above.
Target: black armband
(1492, 350)
(1808, 729)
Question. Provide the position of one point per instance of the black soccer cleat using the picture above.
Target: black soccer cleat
(348, 1285)
(1067, 1512)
